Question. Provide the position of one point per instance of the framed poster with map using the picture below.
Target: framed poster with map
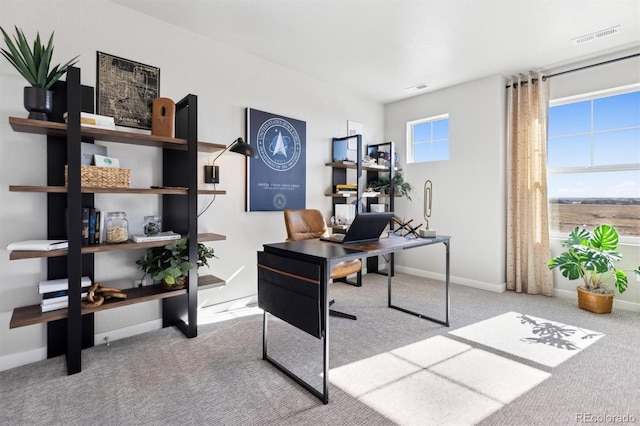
(125, 90)
(277, 174)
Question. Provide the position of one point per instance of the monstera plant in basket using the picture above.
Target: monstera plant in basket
(592, 256)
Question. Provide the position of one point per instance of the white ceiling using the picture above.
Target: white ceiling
(378, 48)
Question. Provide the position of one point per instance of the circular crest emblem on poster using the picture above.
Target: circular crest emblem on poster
(279, 201)
(279, 144)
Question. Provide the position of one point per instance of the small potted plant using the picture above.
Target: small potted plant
(383, 184)
(592, 257)
(35, 66)
(170, 264)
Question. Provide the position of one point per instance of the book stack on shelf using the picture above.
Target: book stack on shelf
(92, 224)
(95, 120)
(346, 189)
(55, 293)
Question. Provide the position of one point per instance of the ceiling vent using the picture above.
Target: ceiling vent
(595, 36)
(414, 89)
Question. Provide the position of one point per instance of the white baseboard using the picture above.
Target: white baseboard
(121, 333)
(22, 358)
(496, 288)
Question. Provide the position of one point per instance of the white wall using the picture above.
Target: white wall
(226, 81)
(468, 189)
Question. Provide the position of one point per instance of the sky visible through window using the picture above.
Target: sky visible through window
(594, 148)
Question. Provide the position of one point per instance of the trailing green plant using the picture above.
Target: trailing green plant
(592, 257)
(170, 262)
(34, 64)
(383, 184)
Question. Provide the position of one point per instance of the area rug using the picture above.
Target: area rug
(543, 341)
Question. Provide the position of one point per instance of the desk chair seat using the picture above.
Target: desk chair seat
(304, 224)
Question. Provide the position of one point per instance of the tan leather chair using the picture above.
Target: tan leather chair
(304, 224)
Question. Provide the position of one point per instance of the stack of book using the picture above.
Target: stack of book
(95, 120)
(346, 188)
(55, 293)
(92, 223)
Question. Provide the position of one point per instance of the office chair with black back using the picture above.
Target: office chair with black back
(304, 224)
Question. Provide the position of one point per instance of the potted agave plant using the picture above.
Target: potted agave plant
(35, 66)
(170, 264)
(592, 256)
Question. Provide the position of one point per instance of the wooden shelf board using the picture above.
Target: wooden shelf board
(90, 190)
(203, 238)
(29, 315)
(354, 166)
(210, 281)
(211, 192)
(51, 128)
(129, 245)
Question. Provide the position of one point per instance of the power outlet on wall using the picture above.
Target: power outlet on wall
(211, 174)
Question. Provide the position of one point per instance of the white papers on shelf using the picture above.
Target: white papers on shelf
(162, 236)
(49, 286)
(38, 245)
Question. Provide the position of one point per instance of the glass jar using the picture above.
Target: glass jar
(116, 227)
(152, 225)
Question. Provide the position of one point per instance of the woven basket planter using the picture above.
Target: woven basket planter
(594, 302)
(101, 177)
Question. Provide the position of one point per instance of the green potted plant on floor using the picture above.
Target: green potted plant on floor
(35, 66)
(592, 257)
(170, 264)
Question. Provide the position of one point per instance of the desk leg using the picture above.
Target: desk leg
(447, 301)
(324, 335)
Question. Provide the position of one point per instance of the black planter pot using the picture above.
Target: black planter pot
(39, 102)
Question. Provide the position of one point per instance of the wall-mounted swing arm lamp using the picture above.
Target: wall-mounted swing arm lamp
(212, 172)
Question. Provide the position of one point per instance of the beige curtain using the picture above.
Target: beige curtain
(527, 219)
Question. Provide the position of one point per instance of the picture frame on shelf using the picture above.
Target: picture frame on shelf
(125, 90)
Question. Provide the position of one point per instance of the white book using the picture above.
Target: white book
(38, 245)
(162, 236)
(61, 299)
(54, 306)
(49, 286)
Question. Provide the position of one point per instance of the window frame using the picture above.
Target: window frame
(411, 141)
(594, 168)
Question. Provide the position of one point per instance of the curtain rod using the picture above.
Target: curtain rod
(544, 77)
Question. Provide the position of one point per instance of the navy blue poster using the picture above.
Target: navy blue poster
(277, 174)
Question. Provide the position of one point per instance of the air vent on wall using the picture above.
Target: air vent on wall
(595, 36)
(416, 88)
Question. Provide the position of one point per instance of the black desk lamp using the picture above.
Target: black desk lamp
(211, 173)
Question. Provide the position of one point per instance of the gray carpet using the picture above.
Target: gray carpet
(219, 377)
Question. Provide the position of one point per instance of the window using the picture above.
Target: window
(593, 162)
(428, 139)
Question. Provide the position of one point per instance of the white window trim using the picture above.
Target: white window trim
(409, 139)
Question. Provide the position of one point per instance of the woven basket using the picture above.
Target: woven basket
(101, 177)
(594, 302)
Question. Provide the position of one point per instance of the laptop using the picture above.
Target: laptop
(365, 227)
